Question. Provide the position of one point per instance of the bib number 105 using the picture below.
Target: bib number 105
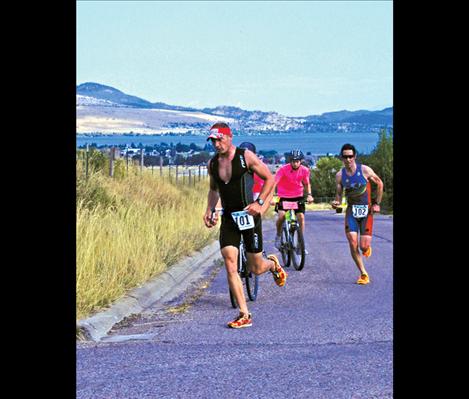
(243, 220)
(359, 211)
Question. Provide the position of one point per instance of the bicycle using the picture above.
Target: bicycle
(292, 244)
(251, 281)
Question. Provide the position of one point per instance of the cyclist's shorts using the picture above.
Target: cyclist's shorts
(231, 235)
(301, 207)
(364, 226)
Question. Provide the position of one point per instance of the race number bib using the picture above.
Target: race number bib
(290, 205)
(359, 211)
(243, 220)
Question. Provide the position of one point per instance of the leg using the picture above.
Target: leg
(352, 238)
(230, 256)
(365, 243)
(301, 220)
(258, 264)
(366, 231)
(254, 243)
(279, 222)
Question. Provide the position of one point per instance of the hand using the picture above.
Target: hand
(210, 218)
(253, 208)
(335, 204)
(310, 199)
(376, 208)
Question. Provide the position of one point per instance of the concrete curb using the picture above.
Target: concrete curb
(161, 289)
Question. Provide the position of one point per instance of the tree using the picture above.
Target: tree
(179, 160)
(182, 147)
(323, 177)
(194, 147)
(381, 160)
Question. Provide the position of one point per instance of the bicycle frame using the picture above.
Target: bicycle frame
(290, 219)
(288, 249)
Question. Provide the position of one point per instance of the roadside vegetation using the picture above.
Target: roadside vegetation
(130, 230)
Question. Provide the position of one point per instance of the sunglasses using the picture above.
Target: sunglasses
(348, 156)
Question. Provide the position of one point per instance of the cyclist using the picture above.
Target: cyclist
(290, 181)
(353, 180)
(231, 180)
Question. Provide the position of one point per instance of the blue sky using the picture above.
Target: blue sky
(297, 58)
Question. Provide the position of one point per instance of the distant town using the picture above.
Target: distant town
(183, 154)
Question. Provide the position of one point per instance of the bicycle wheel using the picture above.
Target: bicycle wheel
(285, 248)
(252, 283)
(233, 300)
(297, 247)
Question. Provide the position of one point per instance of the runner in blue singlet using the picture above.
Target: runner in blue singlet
(353, 180)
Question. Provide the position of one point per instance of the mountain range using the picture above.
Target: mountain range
(105, 110)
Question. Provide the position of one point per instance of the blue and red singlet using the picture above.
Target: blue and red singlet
(357, 190)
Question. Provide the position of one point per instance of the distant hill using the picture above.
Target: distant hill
(104, 109)
(108, 93)
(114, 96)
(362, 116)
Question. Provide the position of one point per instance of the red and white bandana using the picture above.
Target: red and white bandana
(219, 132)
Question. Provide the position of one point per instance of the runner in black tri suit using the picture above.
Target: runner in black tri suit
(231, 180)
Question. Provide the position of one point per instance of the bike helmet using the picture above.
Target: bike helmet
(296, 155)
(249, 146)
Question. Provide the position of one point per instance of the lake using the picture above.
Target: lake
(315, 143)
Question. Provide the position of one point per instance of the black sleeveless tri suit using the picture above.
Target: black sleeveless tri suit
(235, 195)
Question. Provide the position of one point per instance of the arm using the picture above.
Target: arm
(338, 186)
(371, 175)
(277, 177)
(309, 198)
(261, 169)
(267, 201)
(212, 201)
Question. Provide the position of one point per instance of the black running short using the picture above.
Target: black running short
(231, 235)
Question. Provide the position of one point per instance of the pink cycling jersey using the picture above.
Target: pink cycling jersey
(290, 181)
(258, 183)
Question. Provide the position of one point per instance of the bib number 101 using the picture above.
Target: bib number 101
(243, 220)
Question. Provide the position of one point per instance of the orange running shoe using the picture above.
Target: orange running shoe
(241, 321)
(367, 253)
(280, 275)
(363, 279)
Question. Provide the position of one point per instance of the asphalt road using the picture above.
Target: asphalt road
(320, 336)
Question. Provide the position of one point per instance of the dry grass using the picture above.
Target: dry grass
(129, 230)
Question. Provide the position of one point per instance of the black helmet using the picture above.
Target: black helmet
(296, 155)
(249, 146)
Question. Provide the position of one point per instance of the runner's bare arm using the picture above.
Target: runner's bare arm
(267, 201)
(310, 198)
(371, 175)
(261, 169)
(213, 198)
